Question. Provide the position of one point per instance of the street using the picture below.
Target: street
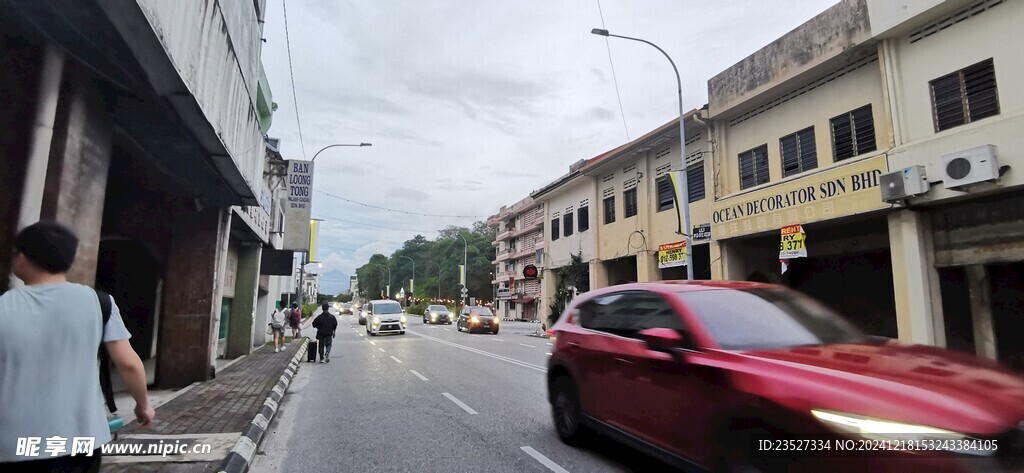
(433, 399)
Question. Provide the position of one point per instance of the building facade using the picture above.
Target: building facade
(139, 125)
(520, 236)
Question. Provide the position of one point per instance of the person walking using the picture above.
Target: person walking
(326, 326)
(52, 330)
(277, 321)
(295, 320)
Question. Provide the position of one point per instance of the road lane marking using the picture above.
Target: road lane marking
(497, 339)
(482, 352)
(551, 344)
(460, 404)
(396, 359)
(544, 460)
(525, 345)
(372, 342)
(418, 375)
(448, 329)
(381, 350)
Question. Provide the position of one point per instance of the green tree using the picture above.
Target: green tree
(576, 275)
(344, 297)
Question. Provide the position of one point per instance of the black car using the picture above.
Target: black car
(437, 314)
(477, 318)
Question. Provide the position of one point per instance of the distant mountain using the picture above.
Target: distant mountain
(333, 282)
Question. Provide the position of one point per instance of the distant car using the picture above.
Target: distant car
(344, 308)
(707, 375)
(477, 318)
(385, 317)
(437, 314)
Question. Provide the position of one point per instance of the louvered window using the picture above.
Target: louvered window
(853, 133)
(629, 201)
(583, 219)
(754, 167)
(695, 181)
(555, 233)
(798, 151)
(666, 198)
(965, 96)
(609, 209)
(567, 223)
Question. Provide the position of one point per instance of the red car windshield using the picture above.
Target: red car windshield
(765, 319)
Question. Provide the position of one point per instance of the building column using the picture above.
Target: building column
(264, 306)
(598, 275)
(916, 282)
(647, 267)
(243, 308)
(730, 262)
(192, 298)
(77, 170)
(547, 294)
(717, 263)
(979, 288)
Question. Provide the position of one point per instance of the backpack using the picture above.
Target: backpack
(105, 383)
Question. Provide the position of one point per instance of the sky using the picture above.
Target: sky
(473, 104)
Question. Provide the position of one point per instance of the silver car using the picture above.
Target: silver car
(384, 316)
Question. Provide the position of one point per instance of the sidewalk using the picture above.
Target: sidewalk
(217, 412)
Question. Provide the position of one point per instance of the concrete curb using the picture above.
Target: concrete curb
(240, 458)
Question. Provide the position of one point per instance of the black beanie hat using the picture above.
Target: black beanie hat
(48, 245)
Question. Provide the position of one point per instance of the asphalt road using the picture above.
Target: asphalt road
(433, 399)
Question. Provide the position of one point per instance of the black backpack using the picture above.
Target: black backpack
(105, 384)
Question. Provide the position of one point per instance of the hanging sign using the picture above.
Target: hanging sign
(672, 255)
(793, 244)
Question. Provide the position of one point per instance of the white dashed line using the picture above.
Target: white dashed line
(497, 339)
(460, 404)
(372, 342)
(396, 360)
(551, 344)
(544, 460)
(525, 345)
(448, 329)
(381, 350)
(418, 375)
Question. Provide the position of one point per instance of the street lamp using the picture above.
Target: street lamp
(684, 191)
(465, 265)
(388, 288)
(337, 145)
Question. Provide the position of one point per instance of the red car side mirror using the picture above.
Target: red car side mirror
(662, 339)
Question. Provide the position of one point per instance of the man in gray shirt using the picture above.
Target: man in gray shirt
(51, 330)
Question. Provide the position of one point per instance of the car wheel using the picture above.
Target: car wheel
(566, 412)
(495, 331)
(402, 332)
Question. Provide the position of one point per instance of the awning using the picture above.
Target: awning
(522, 300)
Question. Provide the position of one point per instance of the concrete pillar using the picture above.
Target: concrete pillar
(76, 174)
(243, 309)
(598, 275)
(732, 265)
(980, 289)
(547, 294)
(265, 304)
(192, 297)
(647, 267)
(916, 282)
(717, 264)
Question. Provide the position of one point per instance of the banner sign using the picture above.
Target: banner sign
(672, 255)
(794, 244)
(314, 239)
(462, 275)
(677, 193)
(299, 205)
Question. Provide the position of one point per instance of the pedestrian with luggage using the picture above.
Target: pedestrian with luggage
(52, 332)
(326, 326)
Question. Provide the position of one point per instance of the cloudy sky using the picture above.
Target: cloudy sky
(472, 104)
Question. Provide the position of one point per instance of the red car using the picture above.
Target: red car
(737, 376)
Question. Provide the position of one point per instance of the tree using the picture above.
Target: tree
(571, 279)
(344, 297)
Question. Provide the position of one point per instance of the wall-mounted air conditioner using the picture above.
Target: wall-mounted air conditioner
(899, 185)
(970, 166)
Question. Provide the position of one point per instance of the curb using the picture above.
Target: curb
(241, 455)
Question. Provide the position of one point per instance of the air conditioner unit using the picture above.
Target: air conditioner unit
(970, 166)
(899, 185)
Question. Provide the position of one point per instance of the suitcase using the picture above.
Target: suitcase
(311, 351)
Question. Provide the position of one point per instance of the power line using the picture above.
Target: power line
(398, 211)
(353, 222)
(615, 79)
(291, 72)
